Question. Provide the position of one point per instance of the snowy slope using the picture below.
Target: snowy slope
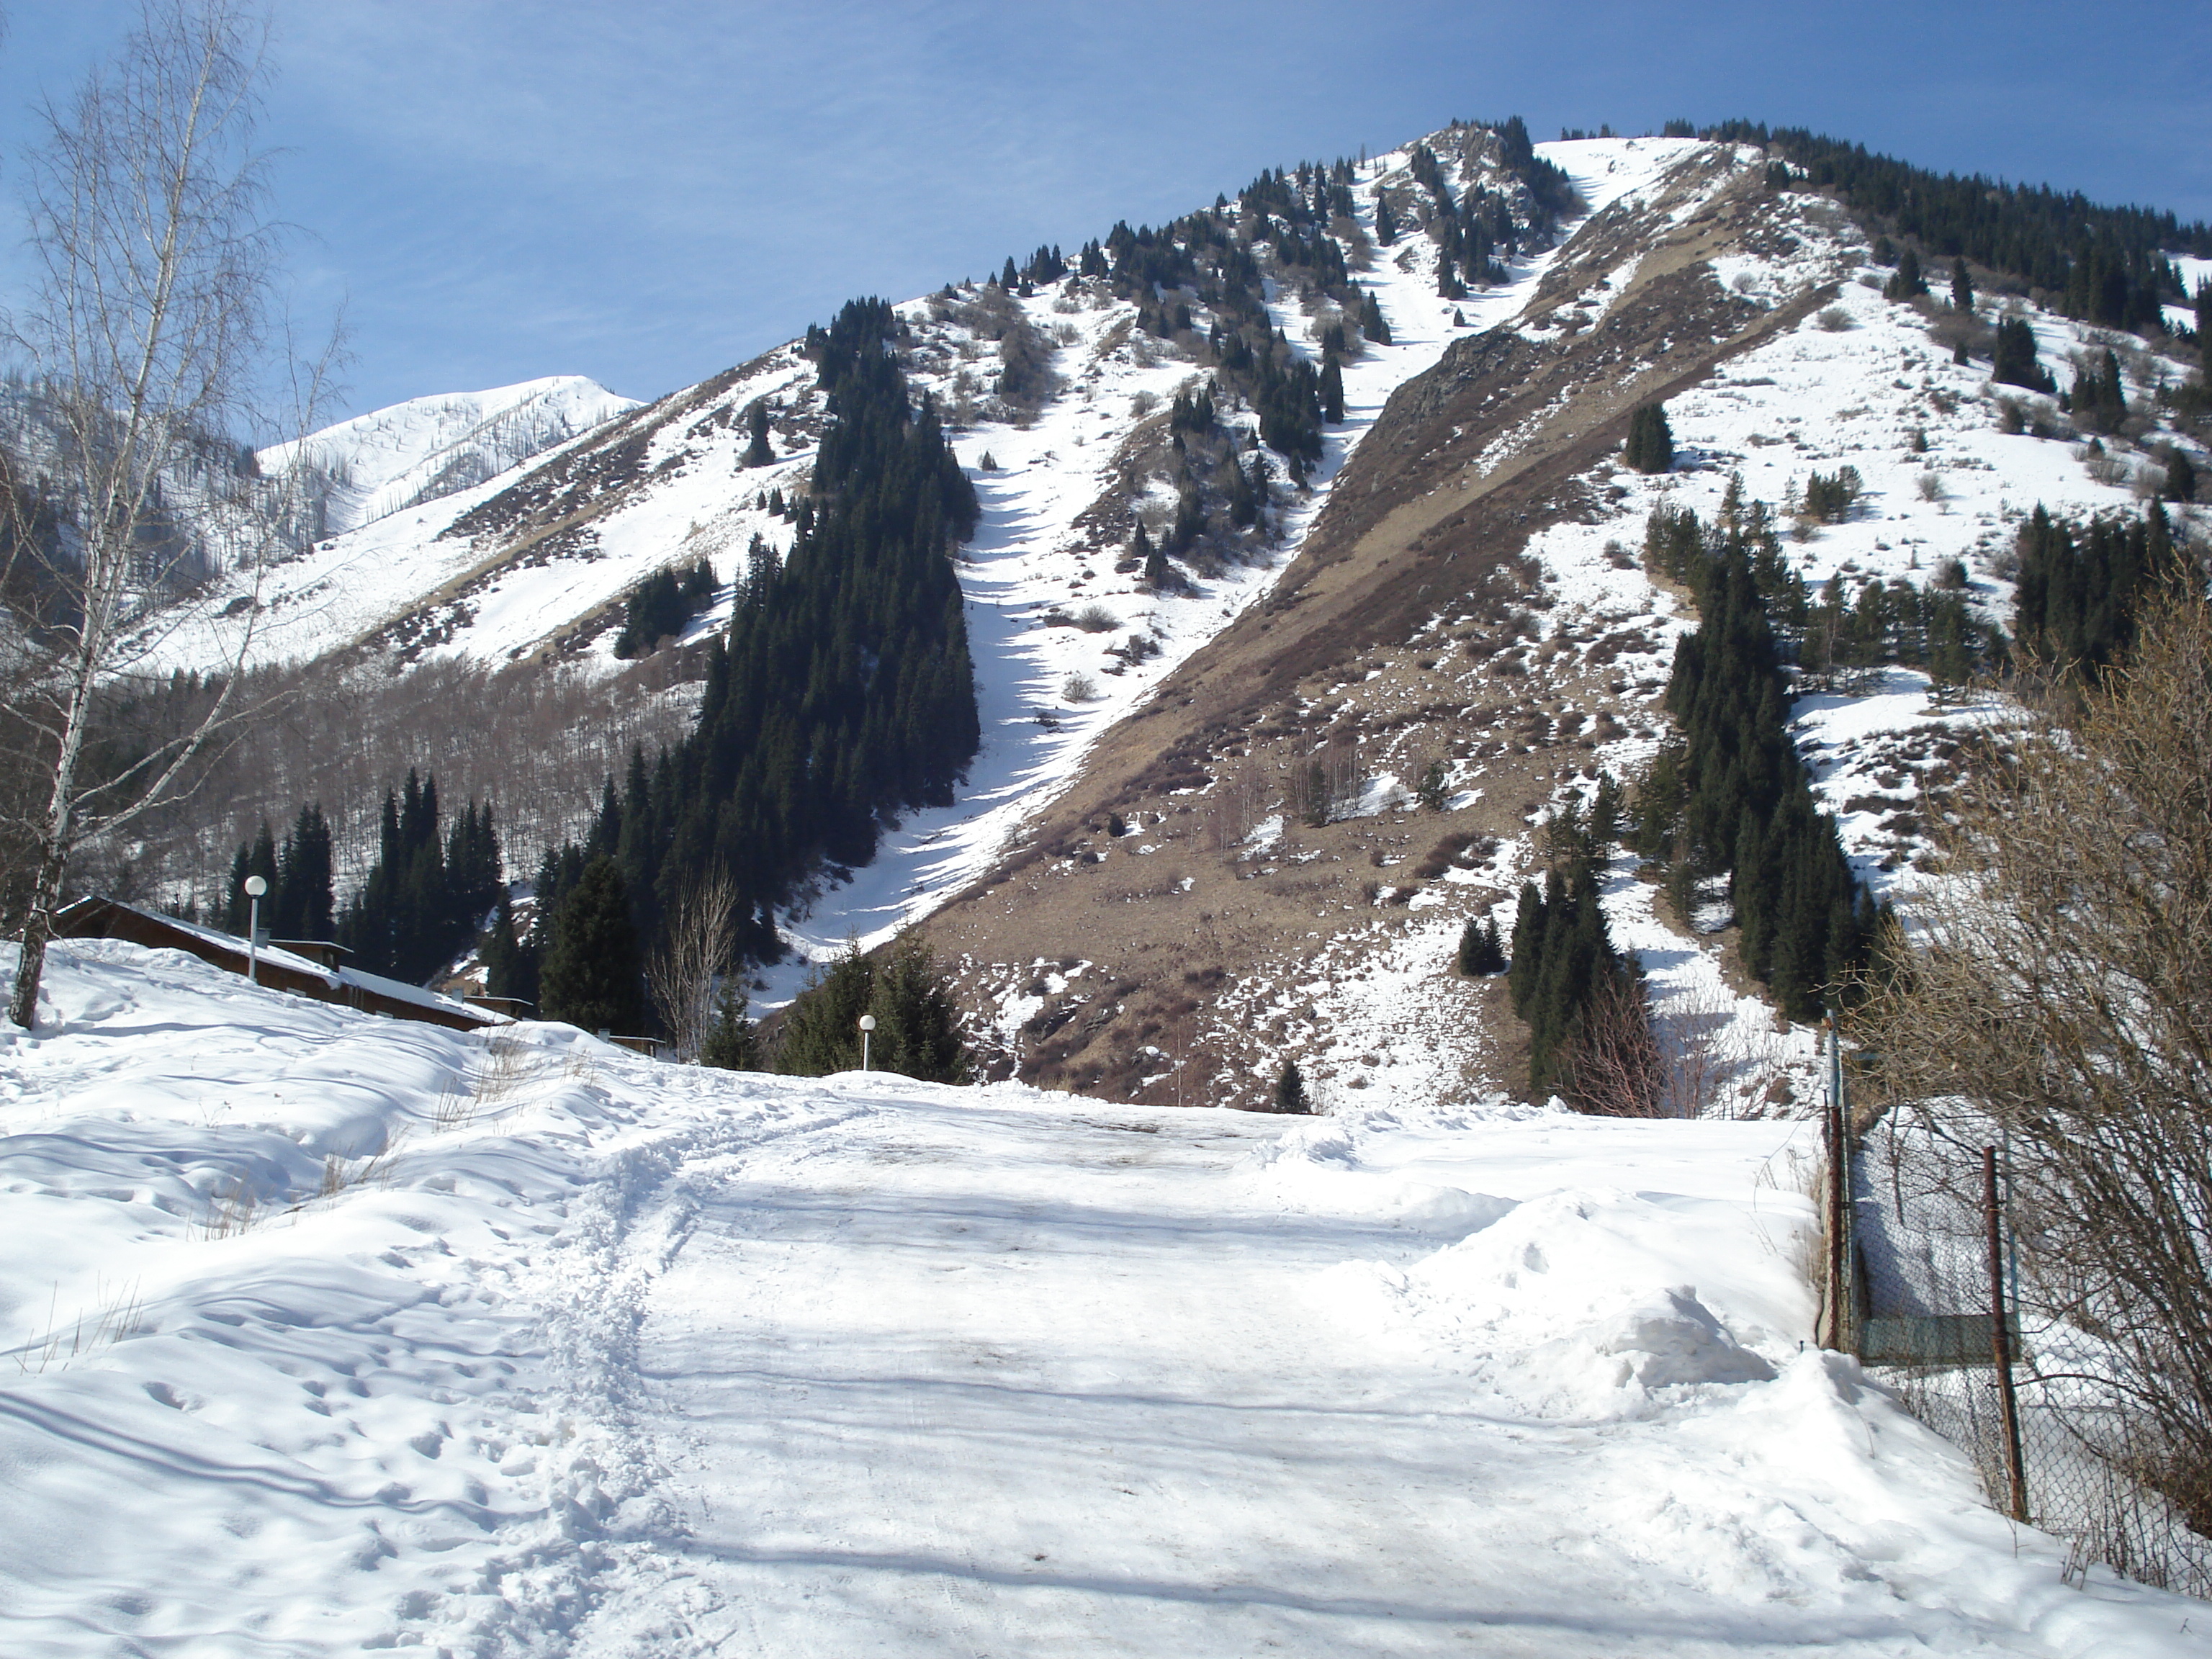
(1859, 386)
(1054, 469)
(333, 1334)
(420, 578)
(427, 447)
(1861, 382)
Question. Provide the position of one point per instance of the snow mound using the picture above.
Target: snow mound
(1676, 1341)
(318, 1321)
(1559, 1300)
(1565, 1290)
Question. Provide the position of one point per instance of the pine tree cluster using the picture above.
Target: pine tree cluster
(2099, 398)
(1732, 797)
(758, 451)
(1830, 496)
(917, 1028)
(2103, 265)
(590, 974)
(840, 694)
(2013, 361)
(1892, 622)
(1907, 282)
(663, 605)
(1482, 950)
(2080, 585)
(301, 903)
(426, 893)
(1582, 1000)
(1651, 447)
(1475, 233)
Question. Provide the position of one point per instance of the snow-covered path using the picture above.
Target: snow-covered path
(1001, 1377)
(995, 1381)
(333, 1333)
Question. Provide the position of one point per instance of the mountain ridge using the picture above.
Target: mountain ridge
(1469, 510)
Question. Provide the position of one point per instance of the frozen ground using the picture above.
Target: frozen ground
(331, 1334)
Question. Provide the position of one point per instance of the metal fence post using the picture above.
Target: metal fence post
(2000, 1338)
(1838, 1200)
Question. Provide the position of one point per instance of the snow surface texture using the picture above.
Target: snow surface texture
(427, 447)
(333, 1333)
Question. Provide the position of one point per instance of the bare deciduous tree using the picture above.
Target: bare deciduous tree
(2062, 991)
(1618, 1071)
(149, 321)
(695, 949)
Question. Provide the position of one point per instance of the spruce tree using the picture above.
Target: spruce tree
(2013, 361)
(1908, 281)
(592, 974)
(1481, 952)
(1529, 923)
(732, 1044)
(1962, 287)
(1372, 322)
(759, 451)
(821, 1030)
(510, 962)
(305, 904)
(917, 1024)
(1332, 391)
(1289, 1093)
(2180, 478)
(1651, 447)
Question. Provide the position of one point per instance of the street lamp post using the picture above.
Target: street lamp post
(867, 1024)
(255, 887)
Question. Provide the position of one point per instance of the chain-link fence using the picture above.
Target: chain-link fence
(1920, 1260)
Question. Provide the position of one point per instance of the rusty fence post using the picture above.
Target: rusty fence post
(2000, 1338)
(1838, 1136)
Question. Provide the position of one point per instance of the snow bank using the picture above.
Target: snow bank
(313, 1333)
(1579, 1300)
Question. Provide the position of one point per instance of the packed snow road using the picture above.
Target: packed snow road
(1019, 1375)
(333, 1333)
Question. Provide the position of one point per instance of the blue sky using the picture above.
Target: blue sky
(649, 192)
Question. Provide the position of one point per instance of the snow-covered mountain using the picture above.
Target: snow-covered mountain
(561, 1349)
(427, 447)
(1456, 581)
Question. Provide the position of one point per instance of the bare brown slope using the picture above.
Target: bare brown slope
(1399, 634)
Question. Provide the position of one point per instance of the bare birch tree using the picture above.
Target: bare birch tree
(696, 948)
(146, 336)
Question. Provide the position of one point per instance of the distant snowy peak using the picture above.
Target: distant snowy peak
(391, 459)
